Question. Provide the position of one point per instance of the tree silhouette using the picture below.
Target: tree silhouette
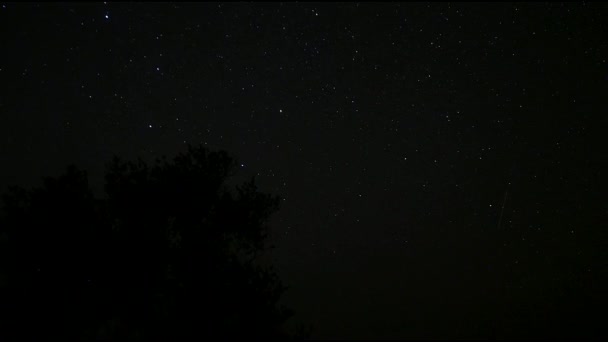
(169, 252)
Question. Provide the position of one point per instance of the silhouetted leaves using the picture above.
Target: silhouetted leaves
(169, 252)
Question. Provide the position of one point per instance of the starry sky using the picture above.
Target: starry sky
(440, 165)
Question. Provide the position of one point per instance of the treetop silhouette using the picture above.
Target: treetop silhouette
(169, 252)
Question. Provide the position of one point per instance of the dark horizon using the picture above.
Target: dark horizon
(440, 166)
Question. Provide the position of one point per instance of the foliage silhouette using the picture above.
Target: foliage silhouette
(170, 252)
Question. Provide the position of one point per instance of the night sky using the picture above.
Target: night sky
(441, 166)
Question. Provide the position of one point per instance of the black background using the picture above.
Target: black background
(440, 165)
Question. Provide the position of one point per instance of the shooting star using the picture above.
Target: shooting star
(502, 210)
